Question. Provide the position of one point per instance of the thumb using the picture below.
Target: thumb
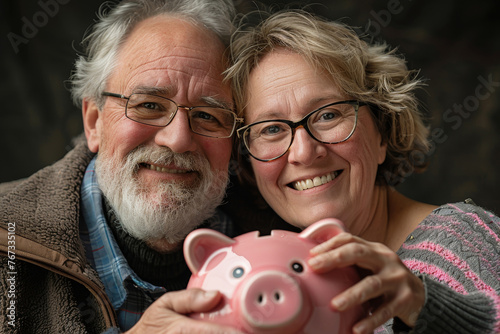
(190, 300)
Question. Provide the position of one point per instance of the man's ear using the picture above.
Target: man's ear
(92, 124)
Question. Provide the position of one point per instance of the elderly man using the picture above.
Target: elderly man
(89, 243)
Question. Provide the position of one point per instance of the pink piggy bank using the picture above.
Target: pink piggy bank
(266, 284)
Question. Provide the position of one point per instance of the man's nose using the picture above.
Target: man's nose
(177, 135)
(305, 149)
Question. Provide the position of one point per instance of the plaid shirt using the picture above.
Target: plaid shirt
(129, 294)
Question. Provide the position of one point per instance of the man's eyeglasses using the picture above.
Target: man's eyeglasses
(159, 111)
(331, 124)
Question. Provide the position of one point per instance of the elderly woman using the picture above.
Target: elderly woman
(331, 126)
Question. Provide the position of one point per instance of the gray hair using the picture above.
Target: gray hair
(102, 44)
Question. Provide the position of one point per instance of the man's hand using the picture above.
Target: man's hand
(168, 314)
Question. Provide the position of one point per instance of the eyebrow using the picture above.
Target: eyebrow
(164, 91)
(169, 91)
(214, 102)
(333, 98)
(265, 116)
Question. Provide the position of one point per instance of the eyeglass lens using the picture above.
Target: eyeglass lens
(270, 139)
(159, 111)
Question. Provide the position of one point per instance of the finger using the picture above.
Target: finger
(190, 300)
(332, 243)
(409, 300)
(394, 280)
(368, 288)
(371, 256)
(333, 253)
(167, 314)
(383, 313)
(191, 326)
(403, 299)
(174, 323)
(193, 300)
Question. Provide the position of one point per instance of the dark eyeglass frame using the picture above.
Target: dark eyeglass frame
(121, 96)
(303, 122)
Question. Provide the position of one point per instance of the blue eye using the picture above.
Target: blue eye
(328, 116)
(271, 130)
(238, 272)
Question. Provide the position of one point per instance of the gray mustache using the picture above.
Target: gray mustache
(165, 156)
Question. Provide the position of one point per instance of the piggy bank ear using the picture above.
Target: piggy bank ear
(323, 230)
(202, 243)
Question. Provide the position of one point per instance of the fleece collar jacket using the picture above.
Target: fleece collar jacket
(51, 288)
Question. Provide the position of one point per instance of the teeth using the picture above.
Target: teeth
(317, 181)
(165, 170)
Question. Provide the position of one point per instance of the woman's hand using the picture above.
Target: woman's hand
(390, 288)
(167, 314)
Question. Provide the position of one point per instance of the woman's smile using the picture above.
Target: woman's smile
(317, 181)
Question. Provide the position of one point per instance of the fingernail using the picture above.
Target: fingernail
(315, 250)
(314, 262)
(339, 303)
(359, 328)
(210, 294)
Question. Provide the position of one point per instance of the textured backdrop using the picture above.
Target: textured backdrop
(455, 44)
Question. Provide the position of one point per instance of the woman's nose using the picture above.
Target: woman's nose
(177, 135)
(305, 149)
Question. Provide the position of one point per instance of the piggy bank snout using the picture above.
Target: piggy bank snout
(272, 299)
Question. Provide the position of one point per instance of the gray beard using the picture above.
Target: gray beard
(164, 211)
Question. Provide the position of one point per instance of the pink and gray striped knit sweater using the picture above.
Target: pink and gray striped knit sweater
(456, 252)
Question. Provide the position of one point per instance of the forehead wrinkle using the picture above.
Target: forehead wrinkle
(288, 96)
(178, 54)
(171, 54)
(179, 63)
(164, 63)
(194, 75)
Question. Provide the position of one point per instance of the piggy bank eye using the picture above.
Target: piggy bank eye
(238, 272)
(297, 267)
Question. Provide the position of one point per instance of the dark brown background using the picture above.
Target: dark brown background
(456, 45)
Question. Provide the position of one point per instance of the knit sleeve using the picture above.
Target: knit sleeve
(447, 311)
(456, 252)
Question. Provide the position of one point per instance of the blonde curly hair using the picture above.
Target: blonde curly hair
(369, 73)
